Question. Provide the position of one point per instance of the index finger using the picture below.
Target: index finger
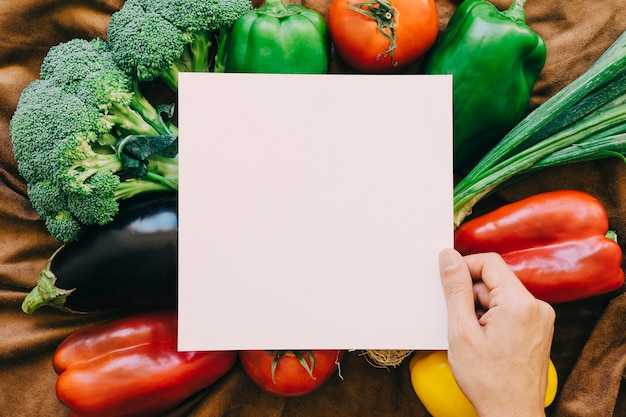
(492, 270)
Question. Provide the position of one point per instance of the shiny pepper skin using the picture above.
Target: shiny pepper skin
(435, 386)
(130, 367)
(495, 59)
(557, 242)
(279, 38)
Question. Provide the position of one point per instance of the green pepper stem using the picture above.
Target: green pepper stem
(277, 8)
(516, 11)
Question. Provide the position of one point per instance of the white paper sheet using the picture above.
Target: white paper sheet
(312, 210)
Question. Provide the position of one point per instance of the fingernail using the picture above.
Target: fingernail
(448, 260)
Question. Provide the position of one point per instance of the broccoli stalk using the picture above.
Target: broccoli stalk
(153, 39)
(139, 113)
(220, 57)
(153, 182)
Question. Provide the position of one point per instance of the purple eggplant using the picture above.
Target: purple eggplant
(131, 262)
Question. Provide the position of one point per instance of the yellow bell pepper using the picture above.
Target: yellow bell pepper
(438, 391)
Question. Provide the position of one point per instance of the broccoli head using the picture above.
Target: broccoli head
(47, 115)
(67, 132)
(71, 61)
(86, 68)
(153, 39)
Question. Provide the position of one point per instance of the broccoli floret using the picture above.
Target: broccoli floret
(98, 205)
(152, 39)
(70, 132)
(76, 161)
(45, 116)
(86, 69)
(69, 62)
(63, 226)
(46, 198)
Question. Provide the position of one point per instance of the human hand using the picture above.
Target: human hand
(500, 356)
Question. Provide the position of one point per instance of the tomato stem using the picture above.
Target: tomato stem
(307, 365)
(383, 12)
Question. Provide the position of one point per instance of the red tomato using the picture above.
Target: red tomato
(382, 36)
(287, 373)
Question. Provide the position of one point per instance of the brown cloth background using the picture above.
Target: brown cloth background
(589, 347)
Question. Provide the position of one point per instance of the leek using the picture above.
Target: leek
(584, 121)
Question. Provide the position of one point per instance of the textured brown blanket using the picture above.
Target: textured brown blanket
(590, 342)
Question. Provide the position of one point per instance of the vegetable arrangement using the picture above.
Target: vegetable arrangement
(557, 243)
(584, 121)
(85, 136)
(100, 158)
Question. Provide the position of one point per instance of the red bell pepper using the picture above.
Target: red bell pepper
(557, 242)
(131, 367)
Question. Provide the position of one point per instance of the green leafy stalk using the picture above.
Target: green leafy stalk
(586, 120)
(599, 77)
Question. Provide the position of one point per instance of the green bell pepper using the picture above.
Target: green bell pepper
(279, 38)
(495, 59)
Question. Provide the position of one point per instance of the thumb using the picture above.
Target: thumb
(456, 281)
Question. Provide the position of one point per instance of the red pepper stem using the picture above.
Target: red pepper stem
(516, 11)
(611, 234)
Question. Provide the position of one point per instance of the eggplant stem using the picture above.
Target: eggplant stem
(45, 292)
